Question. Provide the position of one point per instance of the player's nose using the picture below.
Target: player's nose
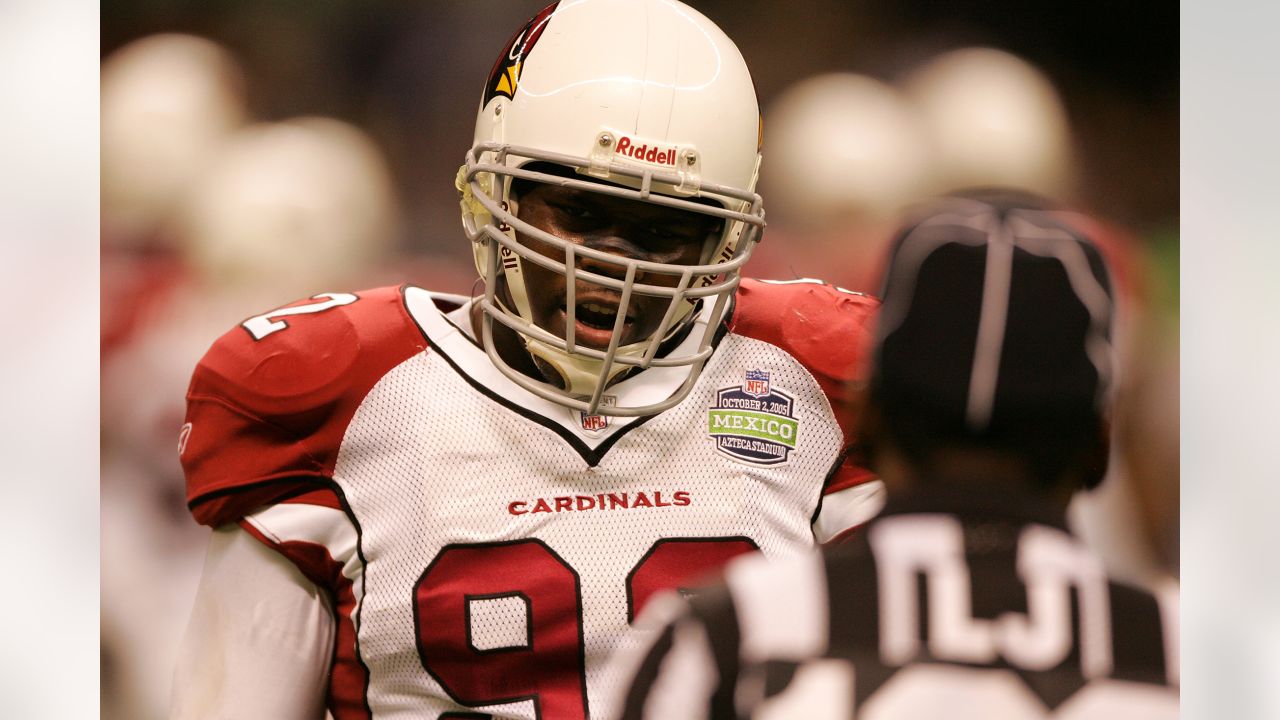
(613, 243)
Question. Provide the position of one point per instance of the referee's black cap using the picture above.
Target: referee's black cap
(995, 326)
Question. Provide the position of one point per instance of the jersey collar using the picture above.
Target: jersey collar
(445, 321)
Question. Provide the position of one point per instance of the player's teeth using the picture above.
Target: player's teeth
(597, 308)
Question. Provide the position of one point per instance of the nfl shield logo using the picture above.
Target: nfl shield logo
(757, 384)
(596, 423)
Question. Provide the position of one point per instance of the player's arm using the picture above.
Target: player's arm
(260, 638)
(266, 411)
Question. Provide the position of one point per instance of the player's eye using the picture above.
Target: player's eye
(575, 211)
(666, 232)
(688, 232)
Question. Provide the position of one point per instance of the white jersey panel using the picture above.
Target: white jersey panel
(448, 481)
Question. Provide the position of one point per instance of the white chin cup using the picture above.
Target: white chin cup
(581, 375)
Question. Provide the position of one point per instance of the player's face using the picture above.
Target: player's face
(627, 228)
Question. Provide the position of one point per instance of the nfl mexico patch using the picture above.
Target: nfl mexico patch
(754, 422)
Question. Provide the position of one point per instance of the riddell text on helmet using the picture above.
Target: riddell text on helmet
(602, 501)
(646, 153)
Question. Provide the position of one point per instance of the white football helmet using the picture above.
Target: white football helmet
(993, 119)
(645, 100)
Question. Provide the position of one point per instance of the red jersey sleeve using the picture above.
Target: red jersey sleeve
(829, 331)
(269, 403)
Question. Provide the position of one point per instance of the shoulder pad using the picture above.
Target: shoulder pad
(270, 401)
(829, 331)
(284, 363)
(826, 328)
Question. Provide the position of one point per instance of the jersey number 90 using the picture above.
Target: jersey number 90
(542, 660)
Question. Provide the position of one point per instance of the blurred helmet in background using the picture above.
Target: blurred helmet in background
(168, 102)
(646, 100)
(841, 146)
(993, 119)
(298, 207)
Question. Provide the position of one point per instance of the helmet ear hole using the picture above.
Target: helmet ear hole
(518, 188)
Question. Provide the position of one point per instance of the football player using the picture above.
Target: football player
(440, 507)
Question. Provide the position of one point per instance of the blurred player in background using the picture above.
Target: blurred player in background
(439, 506)
(990, 118)
(846, 154)
(201, 213)
(168, 103)
(967, 597)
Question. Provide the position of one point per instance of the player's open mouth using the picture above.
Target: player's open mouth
(594, 321)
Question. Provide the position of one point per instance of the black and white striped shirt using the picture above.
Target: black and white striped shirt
(986, 610)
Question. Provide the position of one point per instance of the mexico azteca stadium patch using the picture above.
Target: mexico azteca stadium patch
(753, 422)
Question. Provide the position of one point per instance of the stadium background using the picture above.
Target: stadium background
(186, 258)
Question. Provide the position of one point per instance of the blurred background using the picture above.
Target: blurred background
(253, 153)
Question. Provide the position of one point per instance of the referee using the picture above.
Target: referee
(967, 597)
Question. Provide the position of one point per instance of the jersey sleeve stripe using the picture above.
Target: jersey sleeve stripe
(223, 505)
(348, 676)
(846, 509)
(321, 542)
(315, 524)
(325, 497)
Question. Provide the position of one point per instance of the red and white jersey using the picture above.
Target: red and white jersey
(486, 549)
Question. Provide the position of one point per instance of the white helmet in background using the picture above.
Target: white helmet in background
(168, 103)
(646, 100)
(845, 146)
(994, 120)
(292, 207)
